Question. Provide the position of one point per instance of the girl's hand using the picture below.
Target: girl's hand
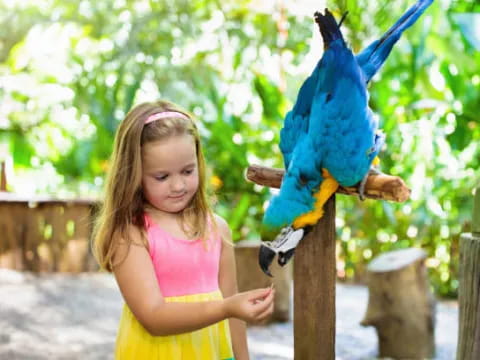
(251, 306)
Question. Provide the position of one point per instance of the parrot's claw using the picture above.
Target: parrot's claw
(361, 186)
(284, 245)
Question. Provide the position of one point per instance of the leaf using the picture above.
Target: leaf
(239, 212)
(21, 149)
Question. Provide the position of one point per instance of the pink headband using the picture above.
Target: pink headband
(165, 114)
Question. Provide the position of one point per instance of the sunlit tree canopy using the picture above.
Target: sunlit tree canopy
(70, 70)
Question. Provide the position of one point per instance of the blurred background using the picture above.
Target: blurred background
(70, 70)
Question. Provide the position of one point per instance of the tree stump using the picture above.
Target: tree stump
(250, 276)
(469, 289)
(400, 305)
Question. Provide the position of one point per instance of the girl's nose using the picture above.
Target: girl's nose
(178, 184)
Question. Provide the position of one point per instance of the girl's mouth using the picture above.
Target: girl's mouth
(177, 197)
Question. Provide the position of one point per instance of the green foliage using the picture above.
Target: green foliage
(69, 72)
(426, 98)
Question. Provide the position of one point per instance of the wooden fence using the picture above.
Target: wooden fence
(45, 234)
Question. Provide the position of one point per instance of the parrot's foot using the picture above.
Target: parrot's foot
(284, 245)
(361, 186)
(327, 188)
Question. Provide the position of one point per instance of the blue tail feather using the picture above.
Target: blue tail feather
(372, 58)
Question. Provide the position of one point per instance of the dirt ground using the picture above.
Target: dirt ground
(60, 316)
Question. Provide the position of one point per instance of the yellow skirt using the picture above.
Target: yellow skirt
(210, 343)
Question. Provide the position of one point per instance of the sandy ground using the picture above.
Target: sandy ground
(59, 316)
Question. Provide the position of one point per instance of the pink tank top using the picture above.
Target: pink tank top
(183, 267)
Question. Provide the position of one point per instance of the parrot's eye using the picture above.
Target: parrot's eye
(303, 180)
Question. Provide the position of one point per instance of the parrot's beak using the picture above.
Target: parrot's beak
(283, 245)
(265, 258)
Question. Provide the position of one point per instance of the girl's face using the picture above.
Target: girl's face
(170, 173)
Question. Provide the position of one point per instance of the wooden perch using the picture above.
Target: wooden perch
(382, 186)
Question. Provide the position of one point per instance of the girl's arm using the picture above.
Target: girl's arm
(228, 286)
(136, 278)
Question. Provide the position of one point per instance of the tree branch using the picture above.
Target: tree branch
(382, 186)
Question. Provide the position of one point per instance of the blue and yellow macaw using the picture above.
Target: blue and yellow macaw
(330, 137)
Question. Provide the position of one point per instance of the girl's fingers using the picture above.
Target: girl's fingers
(266, 313)
(260, 307)
(259, 294)
(263, 305)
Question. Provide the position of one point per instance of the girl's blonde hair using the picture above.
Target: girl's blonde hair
(124, 203)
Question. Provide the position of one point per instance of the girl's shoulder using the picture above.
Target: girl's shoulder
(133, 236)
(222, 228)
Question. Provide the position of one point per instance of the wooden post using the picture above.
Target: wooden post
(469, 289)
(3, 176)
(315, 265)
(314, 277)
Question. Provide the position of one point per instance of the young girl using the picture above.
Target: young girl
(171, 256)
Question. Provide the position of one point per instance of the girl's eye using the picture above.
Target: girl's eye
(161, 178)
(188, 172)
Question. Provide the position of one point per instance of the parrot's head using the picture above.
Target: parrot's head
(294, 199)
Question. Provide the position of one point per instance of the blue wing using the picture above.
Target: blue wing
(341, 124)
(296, 120)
